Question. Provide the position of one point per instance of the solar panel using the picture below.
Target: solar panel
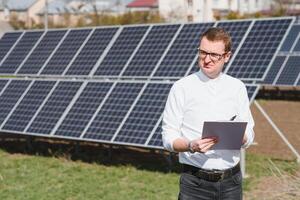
(42, 52)
(91, 52)
(7, 41)
(290, 38)
(182, 52)
(237, 31)
(54, 107)
(2, 85)
(139, 65)
(10, 97)
(144, 115)
(66, 51)
(275, 69)
(121, 51)
(290, 71)
(113, 111)
(156, 139)
(30, 103)
(152, 49)
(19, 52)
(254, 56)
(83, 110)
(252, 91)
(297, 46)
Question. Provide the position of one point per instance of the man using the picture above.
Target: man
(207, 95)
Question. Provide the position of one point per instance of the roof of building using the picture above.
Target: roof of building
(19, 5)
(143, 4)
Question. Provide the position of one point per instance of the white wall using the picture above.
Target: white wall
(202, 10)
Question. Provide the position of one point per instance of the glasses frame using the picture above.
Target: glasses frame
(212, 55)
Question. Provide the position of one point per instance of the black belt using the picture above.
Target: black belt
(211, 175)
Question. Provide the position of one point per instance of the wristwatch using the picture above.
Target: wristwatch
(190, 147)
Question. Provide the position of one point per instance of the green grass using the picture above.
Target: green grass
(24, 176)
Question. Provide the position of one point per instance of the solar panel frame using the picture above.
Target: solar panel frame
(259, 77)
(114, 104)
(101, 57)
(176, 41)
(84, 108)
(55, 106)
(290, 38)
(28, 106)
(290, 72)
(8, 47)
(97, 72)
(20, 51)
(19, 98)
(133, 69)
(41, 48)
(141, 118)
(57, 64)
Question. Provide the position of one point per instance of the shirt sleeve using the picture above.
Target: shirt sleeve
(245, 115)
(172, 117)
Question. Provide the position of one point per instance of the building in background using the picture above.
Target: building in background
(143, 5)
(208, 10)
(22, 10)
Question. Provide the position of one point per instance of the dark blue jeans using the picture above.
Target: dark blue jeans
(192, 188)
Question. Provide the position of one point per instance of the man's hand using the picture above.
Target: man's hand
(202, 145)
(245, 139)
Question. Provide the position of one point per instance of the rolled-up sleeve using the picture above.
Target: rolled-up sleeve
(172, 117)
(245, 115)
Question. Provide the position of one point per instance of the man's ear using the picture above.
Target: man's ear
(227, 56)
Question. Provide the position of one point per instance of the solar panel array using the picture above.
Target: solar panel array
(285, 69)
(110, 84)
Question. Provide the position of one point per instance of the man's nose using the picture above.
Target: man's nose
(207, 58)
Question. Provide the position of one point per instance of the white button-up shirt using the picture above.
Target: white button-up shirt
(197, 98)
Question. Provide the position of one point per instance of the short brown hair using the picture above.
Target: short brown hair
(218, 34)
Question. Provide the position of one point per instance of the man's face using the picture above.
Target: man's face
(212, 57)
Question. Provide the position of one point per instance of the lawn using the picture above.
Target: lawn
(52, 176)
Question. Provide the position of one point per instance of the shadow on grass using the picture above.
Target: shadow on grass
(102, 154)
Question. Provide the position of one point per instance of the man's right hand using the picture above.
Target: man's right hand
(202, 145)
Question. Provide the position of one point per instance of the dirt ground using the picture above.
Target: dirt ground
(286, 116)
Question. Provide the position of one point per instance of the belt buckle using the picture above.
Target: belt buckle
(216, 176)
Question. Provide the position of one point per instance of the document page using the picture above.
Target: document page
(230, 133)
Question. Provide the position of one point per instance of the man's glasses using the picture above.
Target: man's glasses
(213, 56)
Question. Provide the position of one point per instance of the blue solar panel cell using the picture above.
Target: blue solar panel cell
(251, 90)
(290, 71)
(258, 49)
(144, 115)
(23, 113)
(7, 41)
(10, 97)
(54, 107)
(113, 111)
(182, 52)
(91, 51)
(2, 85)
(152, 49)
(297, 46)
(274, 70)
(290, 38)
(42, 52)
(156, 139)
(66, 51)
(19, 52)
(83, 109)
(121, 51)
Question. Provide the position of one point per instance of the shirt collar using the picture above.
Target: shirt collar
(205, 78)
